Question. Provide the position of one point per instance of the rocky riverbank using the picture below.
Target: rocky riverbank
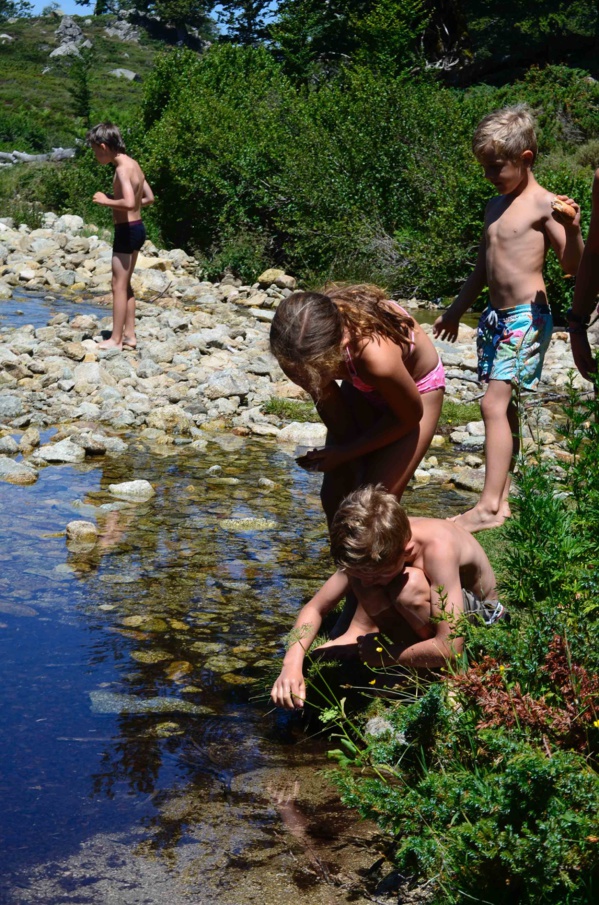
(202, 364)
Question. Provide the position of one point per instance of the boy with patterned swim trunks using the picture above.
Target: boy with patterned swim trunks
(130, 193)
(514, 331)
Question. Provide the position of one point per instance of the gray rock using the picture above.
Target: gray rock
(8, 446)
(134, 491)
(82, 532)
(111, 702)
(66, 50)
(226, 383)
(63, 451)
(10, 407)
(303, 433)
(16, 473)
(125, 74)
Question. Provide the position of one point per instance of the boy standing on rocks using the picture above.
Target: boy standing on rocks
(514, 330)
(414, 578)
(131, 192)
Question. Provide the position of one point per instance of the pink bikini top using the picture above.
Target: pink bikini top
(434, 380)
(356, 381)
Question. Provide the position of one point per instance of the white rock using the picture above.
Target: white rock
(306, 433)
(136, 491)
(63, 451)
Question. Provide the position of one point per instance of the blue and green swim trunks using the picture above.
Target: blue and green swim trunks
(512, 342)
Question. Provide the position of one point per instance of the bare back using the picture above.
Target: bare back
(128, 177)
(517, 240)
(432, 537)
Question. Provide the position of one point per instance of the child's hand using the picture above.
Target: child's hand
(325, 459)
(289, 691)
(446, 327)
(100, 198)
(566, 219)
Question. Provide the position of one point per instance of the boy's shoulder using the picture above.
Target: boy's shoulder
(430, 530)
(542, 199)
(127, 165)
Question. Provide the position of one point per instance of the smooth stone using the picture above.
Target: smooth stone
(16, 473)
(8, 446)
(80, 531)
(65, 451)
(306, 433)
(137, 491)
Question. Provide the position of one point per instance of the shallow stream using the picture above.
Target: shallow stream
(141, 760)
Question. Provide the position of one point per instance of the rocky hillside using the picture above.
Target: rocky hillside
(37, 108)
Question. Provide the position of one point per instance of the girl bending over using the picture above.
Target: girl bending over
(382, 417)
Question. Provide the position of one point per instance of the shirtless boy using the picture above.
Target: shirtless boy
(514, 331)
(130, 193)
(414, 578)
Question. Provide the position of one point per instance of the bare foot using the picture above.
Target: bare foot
(505, 509)
(109, 344)
(129, 342)
(479, 519)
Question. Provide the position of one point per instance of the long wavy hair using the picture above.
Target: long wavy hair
(307, 330)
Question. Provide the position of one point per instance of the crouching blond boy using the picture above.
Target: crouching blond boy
(414, 578)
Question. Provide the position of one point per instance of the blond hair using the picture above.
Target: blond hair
(507, 133)
(307, 330)
(370, 530)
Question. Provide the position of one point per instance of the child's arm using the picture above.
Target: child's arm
(289, 690)
(565, 238)
(127, 200)
(441, 559)
(447, 324)
(147, 197)
(380, 365)
(585, 293)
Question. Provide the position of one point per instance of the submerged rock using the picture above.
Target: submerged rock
(247, 524)
(112, 702)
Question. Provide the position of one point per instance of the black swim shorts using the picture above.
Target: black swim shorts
(128, 237)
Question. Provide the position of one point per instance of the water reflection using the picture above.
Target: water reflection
(135, 676)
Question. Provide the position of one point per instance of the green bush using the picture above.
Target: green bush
(18, 132)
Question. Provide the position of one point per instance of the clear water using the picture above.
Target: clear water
(141, 761)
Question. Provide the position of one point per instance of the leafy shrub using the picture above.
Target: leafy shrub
(18, 132)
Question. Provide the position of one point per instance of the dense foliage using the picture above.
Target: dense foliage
(341, 146)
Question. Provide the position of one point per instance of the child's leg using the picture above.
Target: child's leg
(122, 268)
(514, 421)
(129, 329)
(501, 438)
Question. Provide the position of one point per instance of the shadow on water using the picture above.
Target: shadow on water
(141, 761)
